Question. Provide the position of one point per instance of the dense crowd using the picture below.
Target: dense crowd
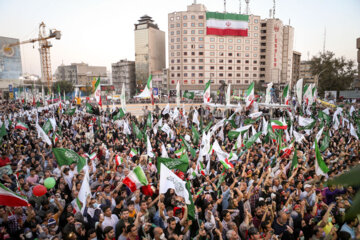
(262, 195)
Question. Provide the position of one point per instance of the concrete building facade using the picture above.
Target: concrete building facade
(124, 72)
(305, 72)
(149, 49)
(80, 74)
(296, 67)
(195, 57)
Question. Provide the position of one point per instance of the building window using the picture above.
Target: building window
(193, 24)
(247, 55)
(255, 28)
(229, 68)
(201, 31)
(193, 74)
(171, 19)
(192, 16)
(201, 24)
(185, 31)
(177, 18)
(212, 60)
(172, 46)
(201, 81)
(177, 46)
(238, 54)
(254, 75)
(172, 61)
(221, 68)
(212, 39)
(172, 68)
(246, 81)
(173, 75)
(185, 60)
(221, 40)
(254, 68)
(185, 46)
(185, 74)
(178, 39)
(192, 60)
(255, 55)
(185, 53)
(229, 54)
(172, 33)
(247, 41)
(246, 61)
(178, 60)
(192, 39)
(238, 68)
(178, 25)
(192, 53)
(185, 24)
(185, 39)
(178, 68)
(201, 60)
(230, 47)
(229, 74)
(221, 74)
(201, 53)
(247, 48)
(238, 81)
(256, 21)
(201, 46)
(221, 46)
(201, 74)
(238, 48)
(201, 39)
(255, 48)
(255, 35)
(246, 75)
(172, 54)
(171, 25)
(229, 61)
(185, 81)
(212, 46)
(192, 31)
(201, 17)
(238, 75)
(178, 53)
(178, 32)
(212, 67)
(185, 17)
(185, 67)
(221, 60)
(201, 67)
(221, 54)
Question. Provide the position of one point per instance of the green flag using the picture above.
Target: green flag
(3, 131)
(70, 111)
(221, 179)
(252, 140)
(188, 147)
(195, 135)
(67, 156)
(137, 131)
(233, 134)
(181, 163)
(207, 126)
(294, 162)
(119, 115)
(89, 108)
(189, 95)
(47, 126)
(309, 126)
(191, 206)
(325, 142)
(320, 165)
(149, 120)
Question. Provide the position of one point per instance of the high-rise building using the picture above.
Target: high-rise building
(194, 57)
(10, 66)
(305, 72)
(296, 67)
(80, 74)
(149, 49)
(124, 72)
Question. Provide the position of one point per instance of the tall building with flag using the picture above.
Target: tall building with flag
(235, 48)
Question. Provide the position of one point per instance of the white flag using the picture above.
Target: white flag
(352, 109)
(196, 117)
(298, 136)
(166, 129)
(264, 126)
(53, 123)
(168, 179)
(299, 90)
(305, 121)
(219, 152)
(255, 115)
(166, 109)
(123, 97)
(157, 125)
(42, 134)
(164, 153)
(268, 96)
(228, 95)
(353, 131)
(253, 132)
(148, 147)
(127, 130)
(85, 189)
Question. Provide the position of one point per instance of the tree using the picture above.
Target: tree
(333, 73)
(66, 86)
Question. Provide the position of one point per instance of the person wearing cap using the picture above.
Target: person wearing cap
(309, 194)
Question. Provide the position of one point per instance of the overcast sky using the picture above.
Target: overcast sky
(101, 32)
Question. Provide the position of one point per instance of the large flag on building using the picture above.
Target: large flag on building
(168, 179)
(207, 92)
(98, 92)
(250, 95)
(226, 24)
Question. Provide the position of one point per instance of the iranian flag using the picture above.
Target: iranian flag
(207, 92)
(92, 156)
(135, 179)
(10, 198)
(286, 151)
(55, 138)
(98, 92)
(226, 163)
(133, 152)
(21, 125)
(277, 124)
(179, 152)
(286, 95)
(250, 95)
(118, 160)
(320, 165)
(226, 24)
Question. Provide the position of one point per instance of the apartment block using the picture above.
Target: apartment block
(149, 49)
(264, 55)
(123, 72)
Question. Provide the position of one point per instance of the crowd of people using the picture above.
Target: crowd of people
(259, 193)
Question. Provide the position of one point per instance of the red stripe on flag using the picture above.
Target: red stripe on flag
(227, 31)
(130, 184)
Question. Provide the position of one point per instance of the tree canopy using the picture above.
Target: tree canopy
(335, 73)
(66, 86)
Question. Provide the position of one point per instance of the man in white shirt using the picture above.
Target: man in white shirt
(108, 219)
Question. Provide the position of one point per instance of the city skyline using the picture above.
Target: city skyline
(99, 33)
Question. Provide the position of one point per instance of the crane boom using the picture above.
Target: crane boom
(44, 49)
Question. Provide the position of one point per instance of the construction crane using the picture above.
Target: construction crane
(44, 49)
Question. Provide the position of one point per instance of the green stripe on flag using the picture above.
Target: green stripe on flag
(230, 16)
(140, 175)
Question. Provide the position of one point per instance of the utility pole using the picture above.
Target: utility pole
(224, 6)
(239, 6)
(247, 6)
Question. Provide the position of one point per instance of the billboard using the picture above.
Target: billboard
(10, 65)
